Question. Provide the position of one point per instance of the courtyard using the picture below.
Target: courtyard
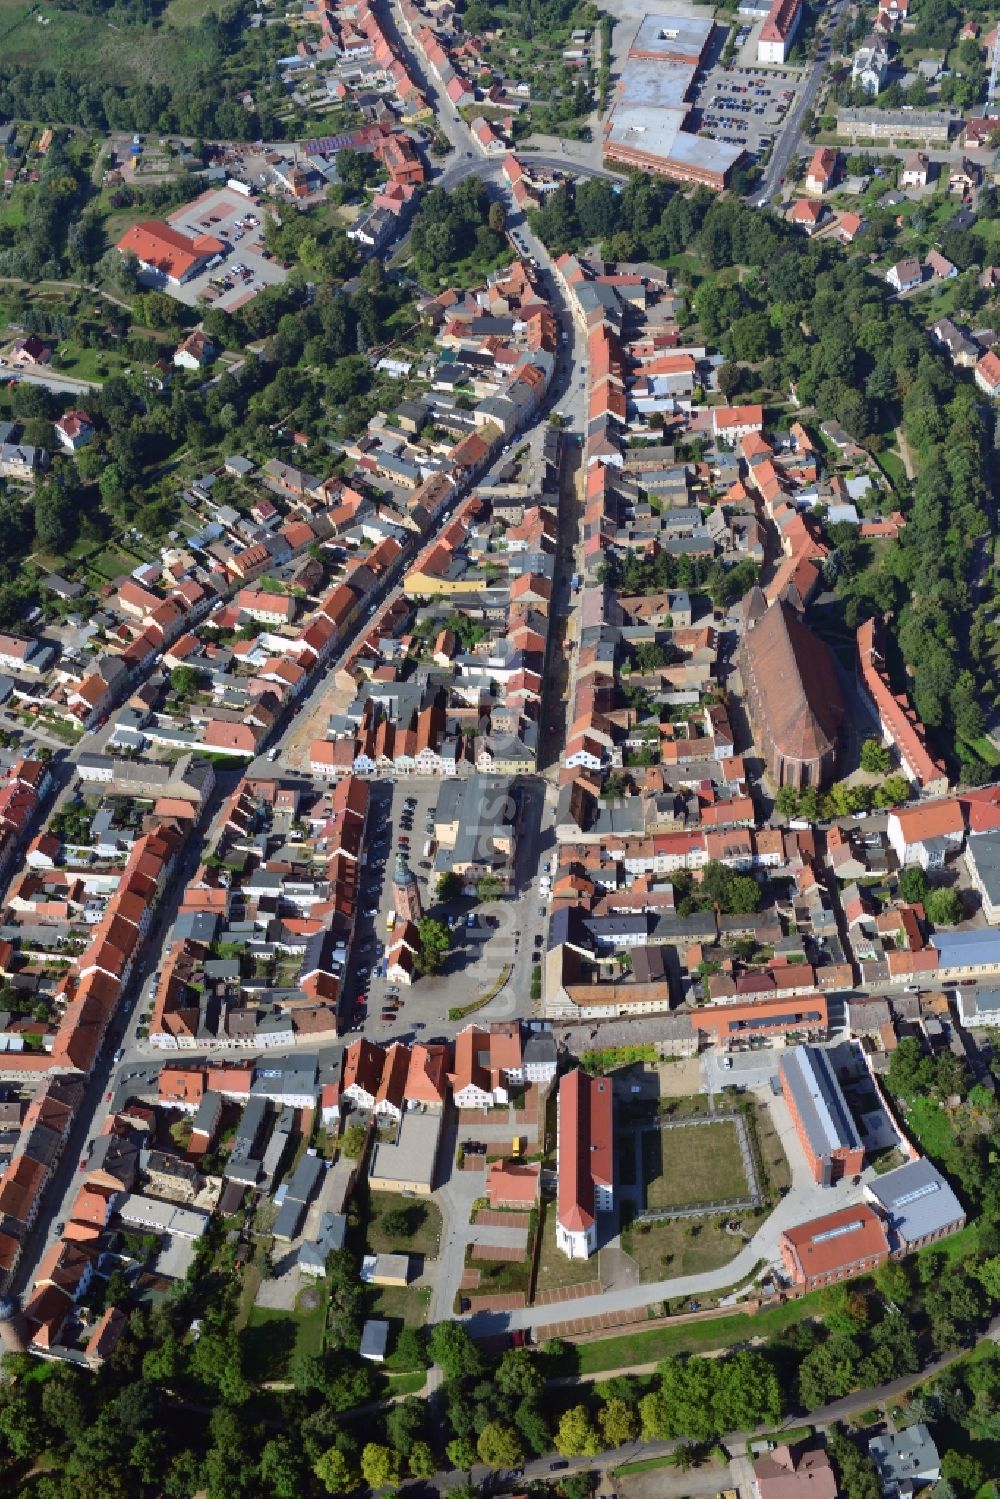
(689, 1165)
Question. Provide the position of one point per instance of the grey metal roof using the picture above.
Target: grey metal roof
(917, 1201)
(819, 1101)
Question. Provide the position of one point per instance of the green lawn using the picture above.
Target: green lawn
(644, 1465)
(187, 12)
(112, 564)
(932, 1128)
(691, 1337)
(407, 1384)
(771, 1151)
(695, 1164)
(424, 1221)
(87, 363)
(682, 1246)
(273, 1338)
(556, 1269)
(892, 466)
(404, 1305)
(985, 749)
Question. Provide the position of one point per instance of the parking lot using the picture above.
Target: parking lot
(744, 105)
(400, 810)
(245, 267)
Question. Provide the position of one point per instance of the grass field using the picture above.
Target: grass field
(187, 12)
(680, 1246)
(273, 1338)
(696, 1164)
(424, 1221)
(93, 46)
(691, 1337)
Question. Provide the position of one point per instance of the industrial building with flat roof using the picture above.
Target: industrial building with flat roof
(408, 1163)
(647, 128)
(819, 1111)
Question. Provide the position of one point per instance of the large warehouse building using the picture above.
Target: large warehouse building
(820, 1114)
(647, 128)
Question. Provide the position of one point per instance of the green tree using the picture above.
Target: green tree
(874, 757)
(893, 792)
(943, 906)
(619, 1423)
(576, 1434)
(497, 217)
(336, 1472)
(964, 1472)
(451, 1348)
(893, 1280)
(449, 886)
(489, 888)
(913, 885)
(352, 1141)
(55, 516)
(421, 1461)
(184, 680)
(396, 1224)
(577, 1486)
(405, 1423)
(518, 1373)
(855, 1470)
(728, 378)
(988, 1273)
(435, 944)
(462, 1453)
(787, 801)
(281, 1468)
(380, 1465)
(499, 1445)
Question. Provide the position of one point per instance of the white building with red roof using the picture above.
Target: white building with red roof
(166, 253)
(585, 1161)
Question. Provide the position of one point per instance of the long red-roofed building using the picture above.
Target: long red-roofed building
(585, 1162)
(162, 250)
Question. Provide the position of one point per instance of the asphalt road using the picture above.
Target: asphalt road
(787, 143)
(108, 1083)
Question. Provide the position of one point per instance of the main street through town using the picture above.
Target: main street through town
(135, 1063)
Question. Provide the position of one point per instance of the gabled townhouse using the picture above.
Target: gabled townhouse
(927, 834)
